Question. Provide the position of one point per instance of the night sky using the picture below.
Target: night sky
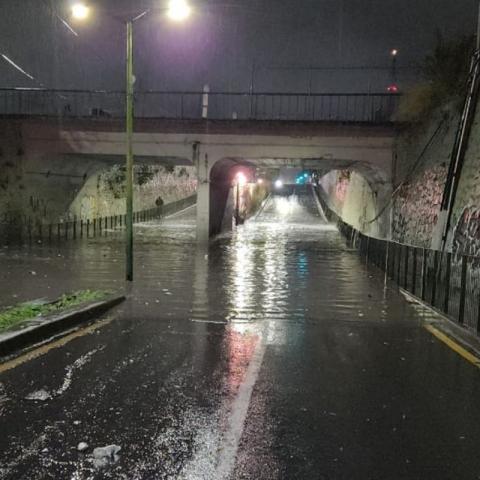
(219, 45)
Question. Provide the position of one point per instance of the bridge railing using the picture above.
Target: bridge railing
(338, 107)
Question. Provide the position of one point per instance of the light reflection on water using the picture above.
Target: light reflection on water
(265, 270)
(271, 285)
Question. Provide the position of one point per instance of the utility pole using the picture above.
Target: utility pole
(129, 163)
(130, 80)
(393, 88)
(478, 28)
(442, 236)
(178, 10)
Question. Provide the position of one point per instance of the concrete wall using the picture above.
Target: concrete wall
(220, 193)
(102, 195)
(33, 186)
(417, 206)
(42, 187)
(223, 195)
(421, 159)
(251, 198)
(466, 212)
(46, 190)
(353, 199)
(80, 148)
(11, 171)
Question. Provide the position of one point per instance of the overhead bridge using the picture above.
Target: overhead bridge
(215, 131)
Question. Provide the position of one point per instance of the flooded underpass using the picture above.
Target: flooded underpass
(273, 354)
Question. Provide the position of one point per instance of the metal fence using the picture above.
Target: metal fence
(448, 282)
(347, 107)
(27, 230)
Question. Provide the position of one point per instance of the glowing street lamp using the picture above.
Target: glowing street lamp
(80, 11)
(278, 184)
(178, 10)
(241, 179)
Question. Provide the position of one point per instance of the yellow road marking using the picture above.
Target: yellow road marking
(469, 357)
(42, 350)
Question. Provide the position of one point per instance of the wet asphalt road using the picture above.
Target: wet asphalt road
(274, 355)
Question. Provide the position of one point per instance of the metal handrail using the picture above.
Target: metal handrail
(200, 92)
(23, 229)
(342, 107)
(448, 282)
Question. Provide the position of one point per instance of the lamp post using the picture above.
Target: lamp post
(478, 29)
(394, 54)
(237, 209)
(241, 180)
(393, 87)
(177, 10)
(129, 164)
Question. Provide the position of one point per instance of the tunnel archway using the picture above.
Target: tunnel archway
(367, 192)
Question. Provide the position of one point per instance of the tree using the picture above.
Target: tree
(445, 74)
(447, 67)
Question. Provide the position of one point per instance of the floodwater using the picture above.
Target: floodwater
(274, 354)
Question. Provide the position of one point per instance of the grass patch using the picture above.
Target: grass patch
(14, 315)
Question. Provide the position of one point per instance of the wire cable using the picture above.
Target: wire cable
(410, 173)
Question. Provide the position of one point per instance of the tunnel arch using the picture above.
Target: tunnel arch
(222, 173)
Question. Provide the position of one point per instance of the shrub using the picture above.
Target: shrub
(445, 74)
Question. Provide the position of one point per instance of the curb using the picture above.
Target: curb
(10, 342)
(447, 326)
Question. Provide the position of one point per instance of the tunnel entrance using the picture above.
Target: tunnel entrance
(240, 191)
(291, 204)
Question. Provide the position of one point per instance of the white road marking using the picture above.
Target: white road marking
(208, 321)
(236, 422)
(218, 439)
(176, 214)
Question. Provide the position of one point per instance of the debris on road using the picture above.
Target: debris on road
(103, 456)
(82, 446)
(40, 395)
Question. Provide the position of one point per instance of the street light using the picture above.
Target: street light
(393, 87)
(80, 11)
(177, 10)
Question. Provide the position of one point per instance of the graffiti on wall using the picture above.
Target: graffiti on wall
(417, 207)
(341, 188)
(466, 238)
